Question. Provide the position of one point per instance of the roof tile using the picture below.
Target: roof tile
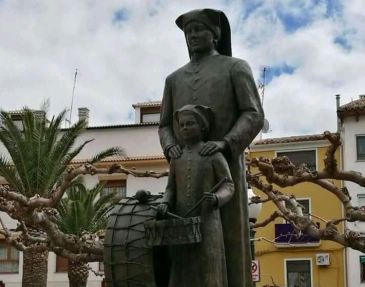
(353, 108)
(303, 138)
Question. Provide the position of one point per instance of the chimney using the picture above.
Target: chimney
(338, 97)
(84, 115)
(39, 114)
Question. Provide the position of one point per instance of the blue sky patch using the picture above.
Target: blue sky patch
(343, 42)
(276, 71)
(250, 7)
(334, 7)
(120, 15)
(293, 22)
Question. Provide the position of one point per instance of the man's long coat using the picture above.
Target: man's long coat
(225, 84)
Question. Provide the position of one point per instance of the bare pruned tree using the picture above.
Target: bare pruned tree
(281, 172)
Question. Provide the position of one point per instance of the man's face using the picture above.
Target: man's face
(189, 127)
(199, 37)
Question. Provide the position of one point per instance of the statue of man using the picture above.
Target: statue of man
(215, 79)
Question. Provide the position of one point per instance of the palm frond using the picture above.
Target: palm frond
(61, 154)
(84, 209)
(39, 151)
(107, 153)
(7, 171)
(13, 139)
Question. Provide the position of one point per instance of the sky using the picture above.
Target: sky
(123, 50)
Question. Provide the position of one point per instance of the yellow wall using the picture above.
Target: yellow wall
(323, 204)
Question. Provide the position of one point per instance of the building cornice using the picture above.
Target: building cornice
(134, 125)
(148, 159)
(147, 104)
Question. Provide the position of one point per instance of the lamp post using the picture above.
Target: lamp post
(254, 210)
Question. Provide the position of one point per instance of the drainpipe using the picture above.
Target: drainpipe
(345, 251)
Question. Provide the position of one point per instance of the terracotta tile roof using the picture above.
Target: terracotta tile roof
(121, 126)
(354, 108)
(304, 138)
(146, 157)
(147, 104)
(126, 159)
(16, 112)
(21, 112)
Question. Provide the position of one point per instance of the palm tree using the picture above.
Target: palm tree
(38, 156)
(83, 210)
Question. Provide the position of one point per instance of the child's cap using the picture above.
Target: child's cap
(204, 113)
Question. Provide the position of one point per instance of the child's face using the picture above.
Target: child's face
(189, 127)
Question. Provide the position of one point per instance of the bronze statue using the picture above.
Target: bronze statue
(225, 84)
(191, 178)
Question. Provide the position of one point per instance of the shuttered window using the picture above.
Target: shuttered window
(362, 269)
(119, 187)
(298, 158)
(298, 273)
(360, 147)
(9, 258)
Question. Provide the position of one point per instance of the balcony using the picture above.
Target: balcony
(286, 236)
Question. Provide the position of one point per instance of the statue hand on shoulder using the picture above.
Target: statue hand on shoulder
(175, 151)
(212, 147)
(211, 199)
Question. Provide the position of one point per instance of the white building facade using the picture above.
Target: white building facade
(140, 143)
(352, 128)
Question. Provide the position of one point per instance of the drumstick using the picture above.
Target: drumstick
(168, 213)
(144, 195)
(214, 189)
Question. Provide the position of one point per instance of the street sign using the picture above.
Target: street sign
(255, 271)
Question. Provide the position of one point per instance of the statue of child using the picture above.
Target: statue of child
(191, 177)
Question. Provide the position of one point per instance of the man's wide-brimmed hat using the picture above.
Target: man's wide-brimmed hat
(216, 21)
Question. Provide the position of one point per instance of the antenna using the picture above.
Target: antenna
(72, 99)
(262, 85)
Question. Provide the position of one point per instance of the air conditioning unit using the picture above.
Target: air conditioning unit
(323, 259)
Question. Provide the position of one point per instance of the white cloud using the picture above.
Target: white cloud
(42, 42)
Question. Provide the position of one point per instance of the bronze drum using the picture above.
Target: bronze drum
(128, 260)
(173, 231)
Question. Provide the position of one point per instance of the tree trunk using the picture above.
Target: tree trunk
(78, 272)
(35, 267)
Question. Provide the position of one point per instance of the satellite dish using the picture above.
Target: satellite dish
(266, 127)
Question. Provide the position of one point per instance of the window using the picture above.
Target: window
(306, 206)
(298, 158)
(119, 187)
(361, 199)
(362, 269)
(360, 147)
(150, 118)
(150, 114)
(61, 264)
(298, 273)
(9, 258)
